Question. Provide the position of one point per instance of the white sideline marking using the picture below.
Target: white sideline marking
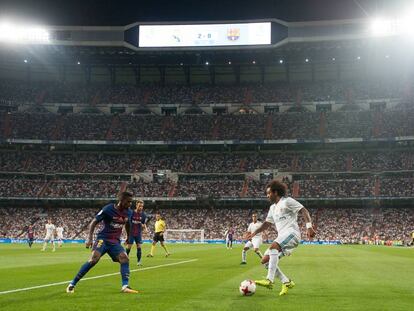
(95, 277)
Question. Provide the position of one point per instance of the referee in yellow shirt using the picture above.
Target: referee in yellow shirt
(159, 235)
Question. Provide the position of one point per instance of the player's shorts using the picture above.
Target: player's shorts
(158, 237)
(31, 239)
(254, 243)
(104, 247)
(49, 237)
(288, 241)
(60, 237)
(230, 238)
(136, 239)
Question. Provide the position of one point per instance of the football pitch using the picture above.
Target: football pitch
(207, 277)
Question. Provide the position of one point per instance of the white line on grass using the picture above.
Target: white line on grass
(95, 277)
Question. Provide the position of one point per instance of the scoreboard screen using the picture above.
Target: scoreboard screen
(199, 35)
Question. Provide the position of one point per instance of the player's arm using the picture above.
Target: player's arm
(128, 231)
(144, 226)
(91, 229)
(309, 228)
(265, 225)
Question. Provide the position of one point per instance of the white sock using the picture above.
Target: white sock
(44, 246)
(281, 276)
(244, 255)
(273, 264)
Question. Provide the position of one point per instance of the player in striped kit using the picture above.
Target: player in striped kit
(254, 242)
(108, 240)
(137, 220)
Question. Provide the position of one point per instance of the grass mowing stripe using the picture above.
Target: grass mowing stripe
(94, 277)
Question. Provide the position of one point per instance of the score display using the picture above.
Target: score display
(204, 35)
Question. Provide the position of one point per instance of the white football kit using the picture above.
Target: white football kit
(59, 233)
(50, 232)
(284, 215)
(256, 241)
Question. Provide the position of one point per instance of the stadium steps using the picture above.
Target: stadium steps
(245, 188)
(147, 96)
(322, 125)
(295, 189)
(95, 100)
(123, 186)
(7, 128)
(248, 97)
(295, 163)
(135, 165)
(269, 126)
(60, 122)
(27, 164)
(377, 187)
(216, 129)
(187, 165)
(44, 188)
(172, 190)
(376, 126)
(242, 164)
(114, 124)
(82, 165)
(349, 163)
(40, 97)
(167, 123)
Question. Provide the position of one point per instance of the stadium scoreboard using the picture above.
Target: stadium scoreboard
(204, 35)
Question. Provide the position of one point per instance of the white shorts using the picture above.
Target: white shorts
(288, 241)
(49, 237)
(254, 243)
(60, 237)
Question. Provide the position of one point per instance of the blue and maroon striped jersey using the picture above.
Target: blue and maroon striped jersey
(114, 220)
(30, 233)
(136, 220)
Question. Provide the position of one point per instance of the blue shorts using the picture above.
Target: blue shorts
(104, 247)
(136, 239)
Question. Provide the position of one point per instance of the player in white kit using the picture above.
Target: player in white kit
(50, 235)
(59, 235)
(254, 242)
(283, 214)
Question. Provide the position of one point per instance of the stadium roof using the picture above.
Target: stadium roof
(123, 12)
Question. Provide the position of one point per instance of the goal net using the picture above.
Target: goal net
(185, 235)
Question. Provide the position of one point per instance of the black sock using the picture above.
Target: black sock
(139, 253)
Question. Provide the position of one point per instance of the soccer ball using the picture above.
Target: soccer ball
(247, 288)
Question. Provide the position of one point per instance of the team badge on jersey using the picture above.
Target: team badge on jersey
(233, 34)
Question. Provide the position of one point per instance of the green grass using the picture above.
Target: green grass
(327, 278)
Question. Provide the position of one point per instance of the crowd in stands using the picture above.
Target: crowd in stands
(349, 225)
(328, 186)
(245, 127)
(128, 163)
(54, 92)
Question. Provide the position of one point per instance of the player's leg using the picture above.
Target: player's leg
(118, 254)
(99, 250)
(139, 250)
(164, 247)
(53, 244)
(45, 241)
(130, 242)
(154, 242)
(231, 243)
(246, 247)
(256, 246)
(272, 255)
